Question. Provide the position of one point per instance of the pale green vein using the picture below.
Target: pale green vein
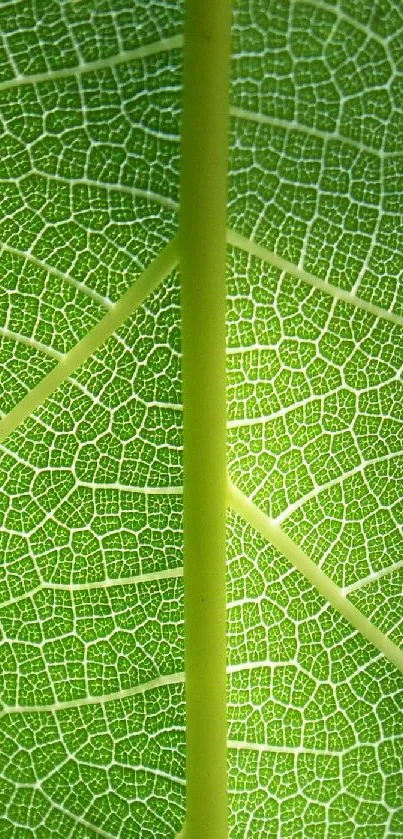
(250, 422)
(109, 582)
(244, 745)
(340, 479)
(321, 582)
(139, 579)
(117, 696)
(30, 342)
(30, 257)
(372, 578)
(136, 490)
(260, 664)
(26, 595)
(270, 667)
(158, 773)
(124, 57)
(133, 191)
(80, 820)
(342, 15)
(241, 242)
(142, 287)
(292, 125)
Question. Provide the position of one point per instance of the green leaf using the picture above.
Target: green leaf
(91, 656)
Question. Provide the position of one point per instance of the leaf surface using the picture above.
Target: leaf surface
(91, 659)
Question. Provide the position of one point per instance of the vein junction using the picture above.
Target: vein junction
(323, 584)
(143, 286)
(118, 313)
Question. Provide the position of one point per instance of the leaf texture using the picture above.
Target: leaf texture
(91, 656)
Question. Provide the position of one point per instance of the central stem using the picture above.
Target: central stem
(202, 256)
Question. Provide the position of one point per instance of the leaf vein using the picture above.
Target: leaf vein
(242, 243)
(144, 285)
(293, 125)
(124, 57)
(332, 593)
(117, 696)
(315, 492)
(61, 275)
(372, 578)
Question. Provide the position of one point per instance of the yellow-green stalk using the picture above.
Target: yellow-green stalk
(202, 259)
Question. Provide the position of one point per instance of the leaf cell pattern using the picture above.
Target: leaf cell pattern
(91, 591)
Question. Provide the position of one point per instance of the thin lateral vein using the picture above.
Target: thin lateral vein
(338, 481)
(133, 191)
(118, 696)
(372, 578)
(30, 342)
(293, 125)
(241, 745)
(99, 831)
(143, 286)
(109, 582)
(332, 593)
(352, 21)
(135, 490)
(67, 278)
(139, 579)
(125, 57)
(242, 243)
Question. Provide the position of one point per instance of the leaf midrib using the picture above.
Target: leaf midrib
(9, 423)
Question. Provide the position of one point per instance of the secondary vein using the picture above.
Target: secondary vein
(242, 243)
(323, 584)
(119, 695)
(143, 286)
(124, 57)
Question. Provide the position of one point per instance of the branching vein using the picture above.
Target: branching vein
(143, 286)
(30, 257)
(238, 241)
(30, 342)
(372, 578)
(160, 681)
(124, 57)
(338, 481)
(323, 584)
(124, 189)
(79, 820)
(287, 125)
